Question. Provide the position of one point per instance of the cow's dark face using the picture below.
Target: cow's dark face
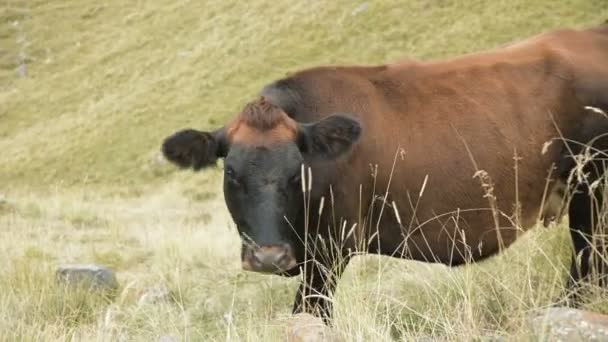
(262, 189)
(263, 151)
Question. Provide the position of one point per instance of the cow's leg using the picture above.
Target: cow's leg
(587, 210)
(587, 233)
(317, 287)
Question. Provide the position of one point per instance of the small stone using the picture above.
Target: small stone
(21, 68)
(5, 205)
(154, 295)
(92, 276)
(159, 159)
(492, 338)
(308, 328)
(361, 8)
(568, 324)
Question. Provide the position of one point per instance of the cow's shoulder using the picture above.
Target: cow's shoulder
(287, 93)
(303, 95)
(298, 93)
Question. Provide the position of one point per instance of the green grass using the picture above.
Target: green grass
(88, 91)
(105, 83)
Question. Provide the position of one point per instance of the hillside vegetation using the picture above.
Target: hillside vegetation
(89, 89)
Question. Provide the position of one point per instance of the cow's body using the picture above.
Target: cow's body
(453, 118)
(484, 133)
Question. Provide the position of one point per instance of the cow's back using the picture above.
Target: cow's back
(475, 128)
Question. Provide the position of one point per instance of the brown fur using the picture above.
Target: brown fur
(454, 119)
(262, 124)
(452, 160)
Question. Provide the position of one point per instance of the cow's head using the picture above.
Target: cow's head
(263, 151)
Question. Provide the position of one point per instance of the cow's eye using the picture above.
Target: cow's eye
(231, 176)
(295, 179)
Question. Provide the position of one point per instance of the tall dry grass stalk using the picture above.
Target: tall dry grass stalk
(175, 237)
(505, 315)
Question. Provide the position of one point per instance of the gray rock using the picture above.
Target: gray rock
(154, 295)
(493, 338)
(361, 8)
(159, 159)
(90, 276)
(5, 205)
(567, 324)
(304, 327)
(483, 338)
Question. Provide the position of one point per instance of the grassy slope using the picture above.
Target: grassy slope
(167, 239)
(105, 83)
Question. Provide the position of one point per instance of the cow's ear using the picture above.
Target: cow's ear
(328, 138)
(194, 149)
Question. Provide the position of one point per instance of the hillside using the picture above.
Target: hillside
(89, 90)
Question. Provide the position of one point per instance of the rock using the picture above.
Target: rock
(159, 159)
(91, 276)
(482, 338)
(21, 69)
(154, 295)
(361, 8)
(308, 328)
(568, 324)
(5, 206)
(493, 338)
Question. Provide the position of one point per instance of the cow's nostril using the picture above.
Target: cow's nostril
(282, 258)
(270, 259)
(256, 261)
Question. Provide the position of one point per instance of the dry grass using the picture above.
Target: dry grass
(87, 92)
(157, 239)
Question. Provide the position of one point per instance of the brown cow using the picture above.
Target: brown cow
(444, 161)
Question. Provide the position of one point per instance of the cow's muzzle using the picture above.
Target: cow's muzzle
(269, 259)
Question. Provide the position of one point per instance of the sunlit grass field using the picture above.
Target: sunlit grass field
(88, 90)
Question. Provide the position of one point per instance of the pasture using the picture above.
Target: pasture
(87, 93)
